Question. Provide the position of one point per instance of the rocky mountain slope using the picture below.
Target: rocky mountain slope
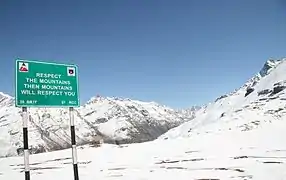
(115, 120)
(260, 101)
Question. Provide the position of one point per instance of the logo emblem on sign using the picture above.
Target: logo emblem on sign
(71, 71)
(23, 67)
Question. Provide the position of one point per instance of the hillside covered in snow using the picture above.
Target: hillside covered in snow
(115, 120)
(259, 102)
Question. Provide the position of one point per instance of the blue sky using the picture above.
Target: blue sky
(178, 53)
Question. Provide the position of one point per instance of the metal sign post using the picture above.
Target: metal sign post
(26, 144)
(45, 84)
(73, 143)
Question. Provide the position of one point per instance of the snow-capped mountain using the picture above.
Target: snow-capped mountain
(115, 120)
(260, 101)
(189, 113)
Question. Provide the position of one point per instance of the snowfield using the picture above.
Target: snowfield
(259, 154)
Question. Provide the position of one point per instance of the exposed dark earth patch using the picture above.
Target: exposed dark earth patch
(187, 152)
(43, 168)
(16, 165)
(167, 162)
(247, 177)
(59, 159)
(185, 168)
(203, 169)
(117, 169)
(198, 159)
(272, 162)
(241, 157)
(258, 157)
(227, 169)
(116, 175)
(31, 164)
(123, 146)
(86, 162)
(37, 168)
(176, 168)
(177, 161)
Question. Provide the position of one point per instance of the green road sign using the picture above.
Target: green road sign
(44, 84)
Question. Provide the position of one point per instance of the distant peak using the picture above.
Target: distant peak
(99, 98)
(268, 66)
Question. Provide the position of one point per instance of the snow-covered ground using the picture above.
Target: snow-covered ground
(259, 154)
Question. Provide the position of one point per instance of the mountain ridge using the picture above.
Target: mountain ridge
(115, 120)
(260, 98)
